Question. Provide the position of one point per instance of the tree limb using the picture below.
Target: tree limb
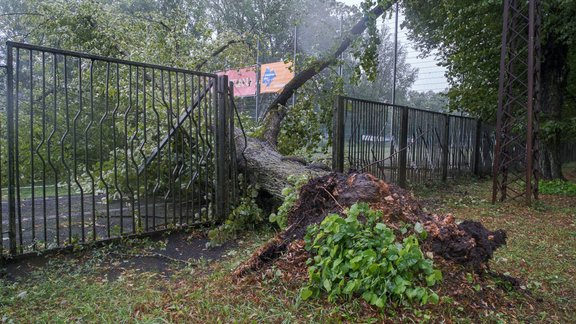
(277, 110)
(217, 52)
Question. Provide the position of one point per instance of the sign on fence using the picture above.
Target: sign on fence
(273, 78)
(244, 81)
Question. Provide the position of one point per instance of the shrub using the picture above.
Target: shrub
(364, 258)
(557, 187)
(245, 216)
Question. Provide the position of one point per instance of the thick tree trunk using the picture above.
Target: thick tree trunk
(545, 169)
(268, 168)
(277, 110)
(554, 81)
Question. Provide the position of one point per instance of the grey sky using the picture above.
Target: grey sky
(430, 76)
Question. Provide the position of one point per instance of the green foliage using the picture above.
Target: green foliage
(466, 36)
(429, 100)
(300, 129)
(353, 257)
(245, 216)
(549, 129)
(291, 195)
(557, 187)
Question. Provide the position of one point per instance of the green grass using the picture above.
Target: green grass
(541, 251)
(541, 247)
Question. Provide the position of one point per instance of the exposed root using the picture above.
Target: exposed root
(468, 243)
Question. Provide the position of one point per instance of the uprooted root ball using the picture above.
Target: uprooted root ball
(468, 243)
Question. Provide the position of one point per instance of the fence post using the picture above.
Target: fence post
(403, 156)
(221, 149)
(233, 169)
(11, 166)
(338, 136)
(477, 147)
(445, 153)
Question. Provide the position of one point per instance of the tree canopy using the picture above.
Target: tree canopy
(467, 37)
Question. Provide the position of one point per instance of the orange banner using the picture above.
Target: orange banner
(274, 76)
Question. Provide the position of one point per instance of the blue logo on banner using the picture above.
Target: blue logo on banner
(268, 77)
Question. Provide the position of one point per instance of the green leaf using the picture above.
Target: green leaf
(337, 263)
(356, 259)
(350, 286)
(379, 302)
(380, 226)
(368, 295)
(434, 298)
(327, 285)
(306, 293)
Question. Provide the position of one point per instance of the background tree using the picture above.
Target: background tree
(467, 36)
(429, 100)
(380, 89)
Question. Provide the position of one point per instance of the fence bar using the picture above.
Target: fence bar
(402, 160)
(233, 172)
(338, 135)
(477, 147)
(221, 94)
(446, 147)
(11, 178)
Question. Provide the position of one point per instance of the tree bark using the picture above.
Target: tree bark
(266, 167)
(277, 110)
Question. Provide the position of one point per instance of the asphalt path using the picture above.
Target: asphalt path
(50, 223)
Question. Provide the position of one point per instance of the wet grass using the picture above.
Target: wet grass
(541, 247)
(94, 286)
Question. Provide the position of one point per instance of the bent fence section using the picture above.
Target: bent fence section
(401, 144)
(93, 148)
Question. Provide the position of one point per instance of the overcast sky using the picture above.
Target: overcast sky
(430, 76)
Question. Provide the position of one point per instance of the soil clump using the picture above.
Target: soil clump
(468, 243)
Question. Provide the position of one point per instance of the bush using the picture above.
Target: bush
(557, 187)
(247, 215)
(356, 258)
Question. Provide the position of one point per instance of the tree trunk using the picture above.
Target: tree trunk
(545, 169)
(266, 167)
(554, 77)
(277, 110)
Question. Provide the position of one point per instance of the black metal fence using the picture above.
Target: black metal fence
(402, 144)
(93, 148)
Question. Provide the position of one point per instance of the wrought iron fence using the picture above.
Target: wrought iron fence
(94, 148)
(401, 144)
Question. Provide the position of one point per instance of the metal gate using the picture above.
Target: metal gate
(93, 148)
(402, 144)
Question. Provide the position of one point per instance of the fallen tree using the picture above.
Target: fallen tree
(258, 157)
(268, 168)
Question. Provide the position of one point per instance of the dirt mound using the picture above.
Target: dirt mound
(468, 243)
